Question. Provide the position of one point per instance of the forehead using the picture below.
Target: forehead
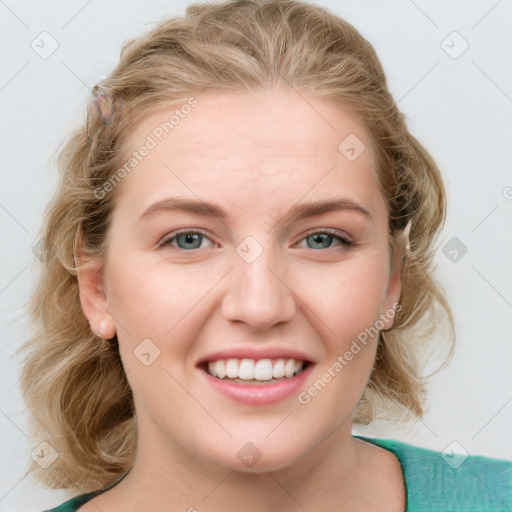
(258, 147)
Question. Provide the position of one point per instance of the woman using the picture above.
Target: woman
(236, 273)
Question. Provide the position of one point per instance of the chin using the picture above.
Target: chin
(257, 457)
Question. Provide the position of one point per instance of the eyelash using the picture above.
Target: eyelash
(345, 241)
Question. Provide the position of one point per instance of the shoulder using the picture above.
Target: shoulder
(75, 503)
(451, 482)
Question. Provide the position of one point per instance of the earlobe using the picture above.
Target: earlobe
(94, 300)
(103, 325)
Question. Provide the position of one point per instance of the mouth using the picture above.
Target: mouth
(255, 371)
(258, 381)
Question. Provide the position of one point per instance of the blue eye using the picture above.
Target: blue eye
(186, 240)
(325, 239)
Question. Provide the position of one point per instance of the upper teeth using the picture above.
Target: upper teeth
(250, 369)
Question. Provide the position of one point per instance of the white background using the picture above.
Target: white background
(459, 108)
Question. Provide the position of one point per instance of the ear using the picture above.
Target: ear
(93, 298)
(394, 290)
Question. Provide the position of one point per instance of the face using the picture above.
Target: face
(222, 259)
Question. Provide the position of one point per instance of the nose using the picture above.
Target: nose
(259, 293)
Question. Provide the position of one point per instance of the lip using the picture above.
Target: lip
(258, 394)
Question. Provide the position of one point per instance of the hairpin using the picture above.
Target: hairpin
(103, 104)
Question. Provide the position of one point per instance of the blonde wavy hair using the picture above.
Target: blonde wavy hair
(73, 382)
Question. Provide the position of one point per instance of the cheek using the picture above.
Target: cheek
(151, 298)
(347, 297)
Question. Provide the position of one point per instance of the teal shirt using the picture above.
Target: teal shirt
(434, 481)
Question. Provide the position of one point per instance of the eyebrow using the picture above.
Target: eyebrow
(299, 211)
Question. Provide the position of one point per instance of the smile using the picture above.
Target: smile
(256, 381)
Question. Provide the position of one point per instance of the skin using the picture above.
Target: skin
(256, 155)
